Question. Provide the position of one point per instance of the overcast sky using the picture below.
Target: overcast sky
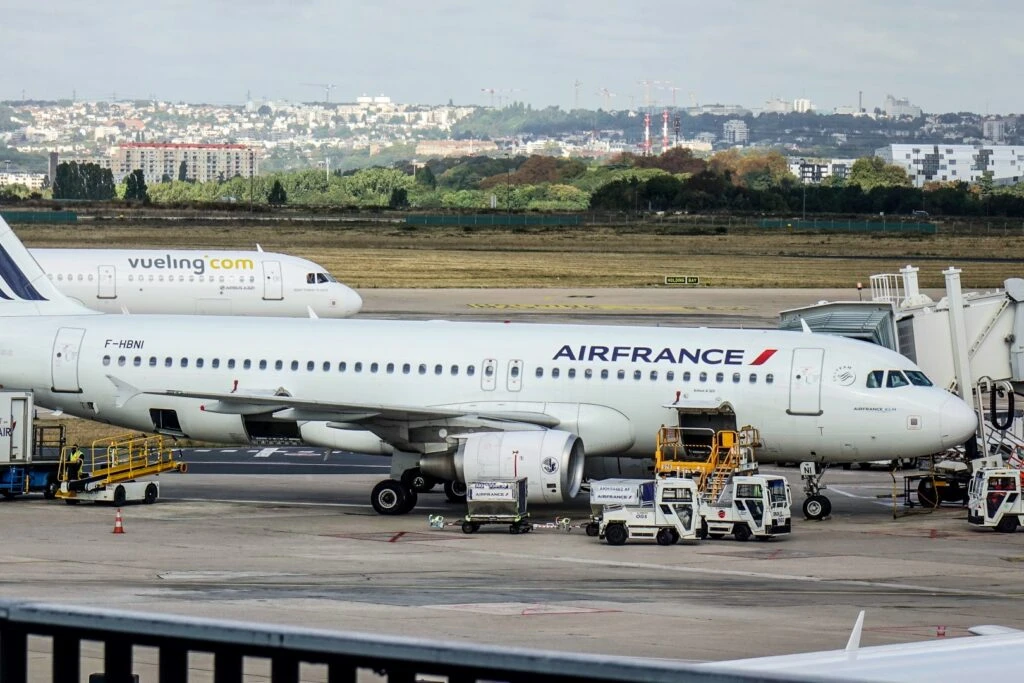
(944, 55)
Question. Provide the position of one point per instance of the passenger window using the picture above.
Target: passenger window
(152, 361)
(539, 372)
(455, 370)
(246, 364)
(514, 372)
(875, 379)
(342, 366)
(263, 364)
(215, 363)
(604, 374)
(637, 374)
(422, 368)
(199, 362)
(310, 366)
(184, 362)
(686, 376)
(588, 373)
(489, 370)
(390, 368)
(406, 368)
(670, 375)
(357, 366)
(571, 373)
(470, 370)
(106, 360)
(121, 361)
(753, 378)
(554, 373)
(438, 369)
(703, 377)
(278, 364)
(327, 366)
(896, 379)
(621, 374)
(295, 365)
(231, 363)
(168, 362)
(769, 378)
(654, 374)
(719, 377)
(735, 378)
(374, 367)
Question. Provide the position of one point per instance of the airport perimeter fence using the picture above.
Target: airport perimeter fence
(38, 217)
(238, 647)
(851, 226)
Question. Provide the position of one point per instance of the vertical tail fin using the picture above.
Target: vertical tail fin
(24, 287)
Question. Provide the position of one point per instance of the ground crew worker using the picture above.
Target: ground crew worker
(75, 462)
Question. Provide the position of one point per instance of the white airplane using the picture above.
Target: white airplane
(461, 402)
(990, 654)
(192, 281)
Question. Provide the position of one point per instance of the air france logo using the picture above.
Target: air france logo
(198, 266)
(647, 354)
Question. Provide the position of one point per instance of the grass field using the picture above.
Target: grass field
(398, 256)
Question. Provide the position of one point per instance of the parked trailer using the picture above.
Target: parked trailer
(750, 506)
(674, 516)
(499, 501)
(996, 496)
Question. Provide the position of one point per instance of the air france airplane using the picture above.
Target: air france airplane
(197, 282)
(456, 402)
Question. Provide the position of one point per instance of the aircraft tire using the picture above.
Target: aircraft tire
(616, 534)
(817, 507)
(455, 491)
(390, 497)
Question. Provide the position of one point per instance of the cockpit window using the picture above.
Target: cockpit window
(895, 378)
(310, 278)
(321, 278)
(917, 378)
(875, 378)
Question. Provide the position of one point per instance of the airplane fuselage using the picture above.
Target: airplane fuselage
(613, 386)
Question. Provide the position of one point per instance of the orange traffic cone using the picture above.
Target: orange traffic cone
(118, 523)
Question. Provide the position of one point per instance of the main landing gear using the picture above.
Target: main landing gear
(816, 506)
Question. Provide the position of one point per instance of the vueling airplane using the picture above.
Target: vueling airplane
(457, 402)
(197, 282)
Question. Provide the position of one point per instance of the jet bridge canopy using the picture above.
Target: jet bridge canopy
(868, 320)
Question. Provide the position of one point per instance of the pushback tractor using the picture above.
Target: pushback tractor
(996, 496)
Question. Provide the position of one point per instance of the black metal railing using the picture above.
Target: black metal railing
(400, 659)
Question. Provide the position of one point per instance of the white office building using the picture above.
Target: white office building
(813, 171)
(950, 163)
(735, 132)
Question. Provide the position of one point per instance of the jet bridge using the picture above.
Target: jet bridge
(986, 328)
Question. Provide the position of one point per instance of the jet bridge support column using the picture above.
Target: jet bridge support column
(958, 340)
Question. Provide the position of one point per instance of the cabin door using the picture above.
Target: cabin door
(106, 282)
(64, 365)
(805, 382)
(273, 288)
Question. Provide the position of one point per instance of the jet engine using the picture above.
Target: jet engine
(551, 460)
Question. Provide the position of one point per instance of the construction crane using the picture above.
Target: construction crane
(674, 89)
(607, 96)
(328, 87)
(647, 91)
(492, 91)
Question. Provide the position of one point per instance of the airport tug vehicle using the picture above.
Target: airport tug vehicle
(712, 477)
(995, 495)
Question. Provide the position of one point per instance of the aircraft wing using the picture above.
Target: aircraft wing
(290, 407)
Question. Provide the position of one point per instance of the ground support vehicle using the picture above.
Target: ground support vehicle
(29, 452)
(500, 501)
(674, 515)
(750, 506)
(996, 496)
(117, 471)
(946, 481)
(612, 493)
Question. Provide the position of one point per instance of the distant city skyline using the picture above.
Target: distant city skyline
(940, 54)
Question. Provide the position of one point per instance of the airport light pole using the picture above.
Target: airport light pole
(508, 184)
(803, 181)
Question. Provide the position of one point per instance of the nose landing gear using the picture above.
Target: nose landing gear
(816, 506)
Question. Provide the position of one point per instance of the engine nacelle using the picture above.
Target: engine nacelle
(551, 460)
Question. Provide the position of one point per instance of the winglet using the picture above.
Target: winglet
(312, 313)
(805, 327)
(853, 644)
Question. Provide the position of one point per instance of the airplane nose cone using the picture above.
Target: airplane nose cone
(353, 303)
(958, 421)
